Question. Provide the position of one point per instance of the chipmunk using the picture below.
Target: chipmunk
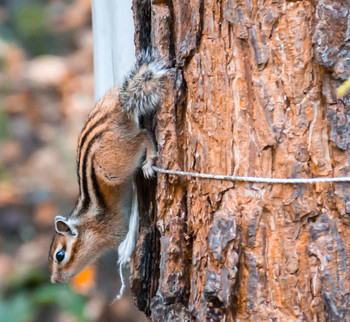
(110, 150)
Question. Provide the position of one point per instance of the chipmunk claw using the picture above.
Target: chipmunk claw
(147, 169)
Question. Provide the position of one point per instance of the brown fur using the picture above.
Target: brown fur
(115, 156)
(110, 149)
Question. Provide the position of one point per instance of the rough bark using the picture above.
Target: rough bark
(252, 93)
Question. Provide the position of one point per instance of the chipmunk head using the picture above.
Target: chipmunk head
(72, 249)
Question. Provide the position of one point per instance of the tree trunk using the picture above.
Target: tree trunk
(252, 94)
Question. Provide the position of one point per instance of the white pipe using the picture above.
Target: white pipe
(114, 48)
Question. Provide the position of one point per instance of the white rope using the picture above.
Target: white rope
(251, 179)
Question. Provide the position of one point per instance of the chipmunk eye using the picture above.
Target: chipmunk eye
(60, 256)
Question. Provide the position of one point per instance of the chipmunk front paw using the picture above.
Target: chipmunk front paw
(147, 169)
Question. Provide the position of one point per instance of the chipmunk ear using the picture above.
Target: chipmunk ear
(65, 226)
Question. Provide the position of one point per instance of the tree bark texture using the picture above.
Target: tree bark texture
(252, 94)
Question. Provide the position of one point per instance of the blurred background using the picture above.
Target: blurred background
(46, 91)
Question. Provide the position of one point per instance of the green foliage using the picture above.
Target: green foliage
(29, 26)
(4, 133)
(6, 34)
(61, 296)
(4, 124)
(30, 293)
(31, 23)
(31, 20)
(18, 308)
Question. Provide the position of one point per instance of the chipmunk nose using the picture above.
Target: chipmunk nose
(54, 280)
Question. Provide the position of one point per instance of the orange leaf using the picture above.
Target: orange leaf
(84, 281)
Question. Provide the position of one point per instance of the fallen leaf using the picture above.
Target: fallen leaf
(84, 281)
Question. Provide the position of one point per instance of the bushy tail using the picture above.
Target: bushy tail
(144, 88)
